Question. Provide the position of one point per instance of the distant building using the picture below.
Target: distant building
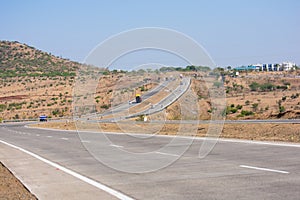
(285, 66)
(247, 68)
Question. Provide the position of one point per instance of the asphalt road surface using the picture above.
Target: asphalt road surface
(234, 169)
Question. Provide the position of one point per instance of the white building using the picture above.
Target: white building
(287, 66)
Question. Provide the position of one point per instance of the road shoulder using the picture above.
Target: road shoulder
(44, 181)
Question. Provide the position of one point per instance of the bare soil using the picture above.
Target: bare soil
(11, 188)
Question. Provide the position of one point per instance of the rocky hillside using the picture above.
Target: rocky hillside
(20, 60)
(33, 82)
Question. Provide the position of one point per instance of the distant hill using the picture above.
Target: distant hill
(33, 82)
(18, 59)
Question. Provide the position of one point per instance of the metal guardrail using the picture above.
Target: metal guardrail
(19, 120)
(34, 119)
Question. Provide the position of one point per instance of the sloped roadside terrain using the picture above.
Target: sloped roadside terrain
(11, 187)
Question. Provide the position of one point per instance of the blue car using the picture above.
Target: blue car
(43, 118)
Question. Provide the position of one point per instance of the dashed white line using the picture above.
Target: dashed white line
(85, 141)
(264, 169)
(96, 184)
(49, 136)
(114, 145)
(167, 154)
(64, 138)
(282, 144)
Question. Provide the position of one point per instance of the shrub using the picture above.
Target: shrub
(239, 107)
(2, 107)
(294, 96)
(283, 98)
(246, 113)
(217, 84)
(267, 87)
(55, 112)
(281, 109)
(255, 106)
(230, 110)
(283, 87)
(104, 106)
(267, 108)
(254, 86)
(233, 110)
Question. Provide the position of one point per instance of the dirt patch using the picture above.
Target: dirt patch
(15, 97)
(11, 187)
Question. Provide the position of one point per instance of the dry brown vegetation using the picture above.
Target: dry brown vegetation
(255, 95)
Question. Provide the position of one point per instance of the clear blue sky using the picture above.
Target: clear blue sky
(234, 32)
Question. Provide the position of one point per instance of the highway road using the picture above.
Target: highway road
(125, 106)
(234, 169)
(165, 102)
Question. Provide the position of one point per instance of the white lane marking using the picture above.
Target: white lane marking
(114, 145)
(265, 169)
(85, 141)
(37, 135)
(64, 138)
(96, 184)
(167, 154)
(282, 144)
(49, 136)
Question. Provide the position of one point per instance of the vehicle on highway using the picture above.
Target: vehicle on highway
(138, 98)
(43, 118)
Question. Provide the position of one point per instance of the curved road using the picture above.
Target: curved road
(234, 169)
(168, 100)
